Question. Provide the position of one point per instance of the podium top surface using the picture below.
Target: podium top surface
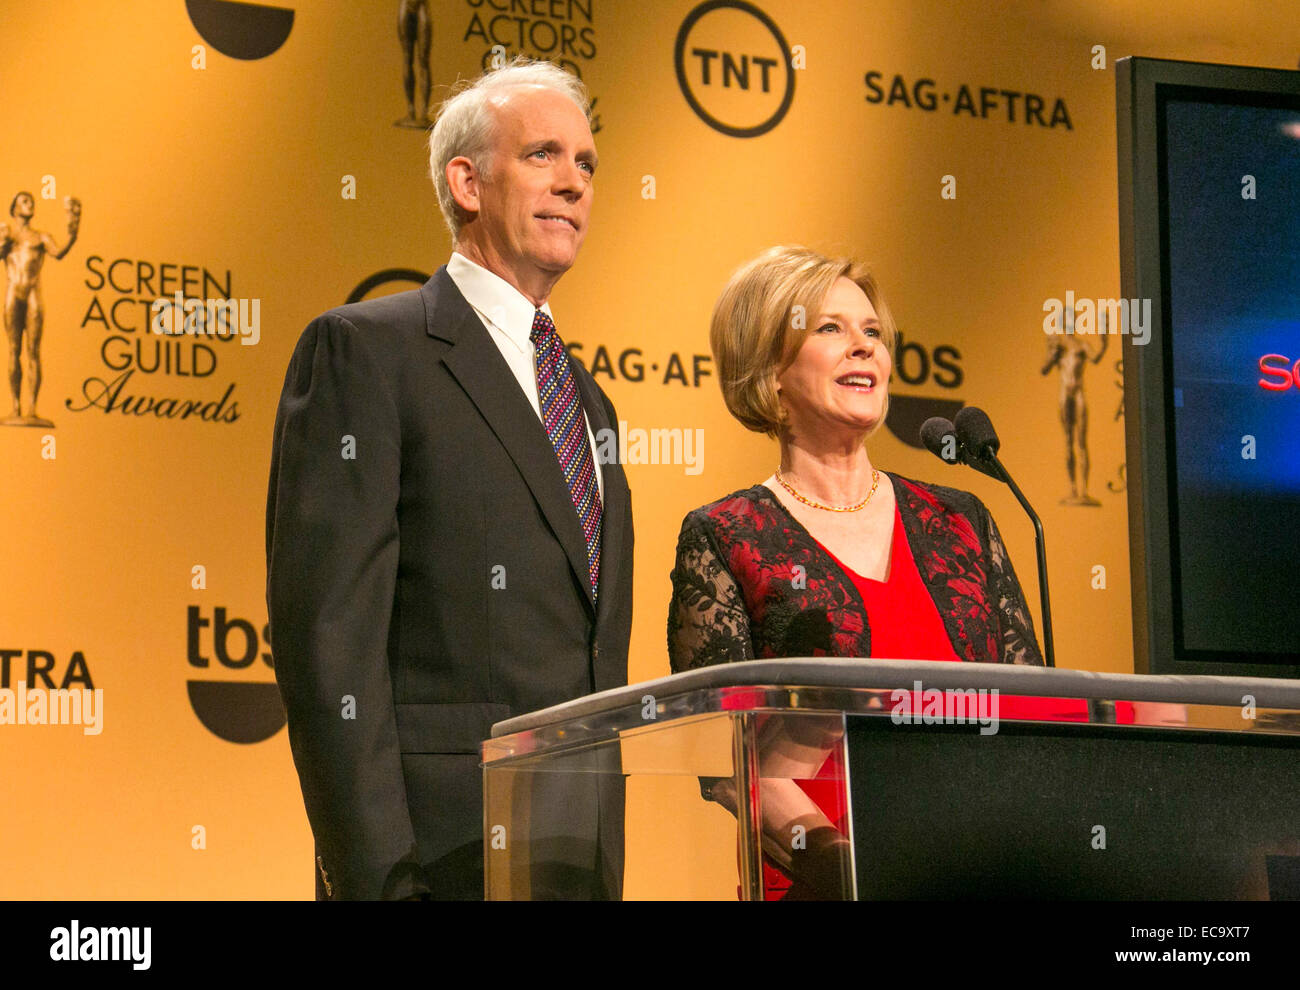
(843, 677)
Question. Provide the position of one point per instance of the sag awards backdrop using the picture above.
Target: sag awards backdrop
(223, 172)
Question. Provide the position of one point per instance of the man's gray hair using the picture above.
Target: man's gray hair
(466, 124)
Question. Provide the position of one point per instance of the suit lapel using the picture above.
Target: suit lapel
(482, 372)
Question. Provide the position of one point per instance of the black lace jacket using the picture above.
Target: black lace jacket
(738, 592)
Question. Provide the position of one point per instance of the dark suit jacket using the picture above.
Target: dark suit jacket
(410, 479)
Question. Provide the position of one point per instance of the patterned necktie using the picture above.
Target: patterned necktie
(566, 425)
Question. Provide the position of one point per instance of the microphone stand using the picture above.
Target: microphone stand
(1049, 648)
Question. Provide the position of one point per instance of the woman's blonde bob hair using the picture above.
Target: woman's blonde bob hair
(763, 317)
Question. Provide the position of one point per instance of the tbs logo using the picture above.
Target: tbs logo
(914, 365)
(236, 711)
(1285, 374)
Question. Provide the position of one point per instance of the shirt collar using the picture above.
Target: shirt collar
(495, 299)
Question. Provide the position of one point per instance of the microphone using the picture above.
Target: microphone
(944, 440)
(977, 444)
(975, 430)
(940, 438)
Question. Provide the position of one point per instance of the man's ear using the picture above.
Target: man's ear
(463, 180)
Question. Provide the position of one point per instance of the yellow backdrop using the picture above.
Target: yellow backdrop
(286, 181)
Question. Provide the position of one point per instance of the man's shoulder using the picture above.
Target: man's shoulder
(411, 312)
(399, 311)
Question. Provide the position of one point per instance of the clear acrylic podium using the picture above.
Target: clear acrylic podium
(885, 779)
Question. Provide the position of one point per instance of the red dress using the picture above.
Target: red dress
(905, 625)
(751, 582)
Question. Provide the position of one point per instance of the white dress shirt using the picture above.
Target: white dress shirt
(508, 316)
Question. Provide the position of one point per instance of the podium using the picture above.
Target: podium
(900, 779)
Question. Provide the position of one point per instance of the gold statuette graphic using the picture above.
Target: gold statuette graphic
(414, 31)
(1071, 355)
(23, 249)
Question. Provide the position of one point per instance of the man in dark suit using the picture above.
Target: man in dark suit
(445, 549)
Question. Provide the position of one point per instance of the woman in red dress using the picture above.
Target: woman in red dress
(830, 556)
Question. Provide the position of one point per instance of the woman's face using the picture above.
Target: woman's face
(840, 377)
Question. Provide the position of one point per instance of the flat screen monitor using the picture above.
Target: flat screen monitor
(1209, 196)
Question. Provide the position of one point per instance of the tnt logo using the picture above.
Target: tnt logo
(734, 67)
(238, 711)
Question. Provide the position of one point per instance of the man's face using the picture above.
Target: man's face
(535, 200)
(24, 206)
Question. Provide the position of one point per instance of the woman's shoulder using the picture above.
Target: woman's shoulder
(920, 495)
(746, 504)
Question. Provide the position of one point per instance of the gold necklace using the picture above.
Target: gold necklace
(875, 480)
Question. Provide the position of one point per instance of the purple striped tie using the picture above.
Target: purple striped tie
(566, 425)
